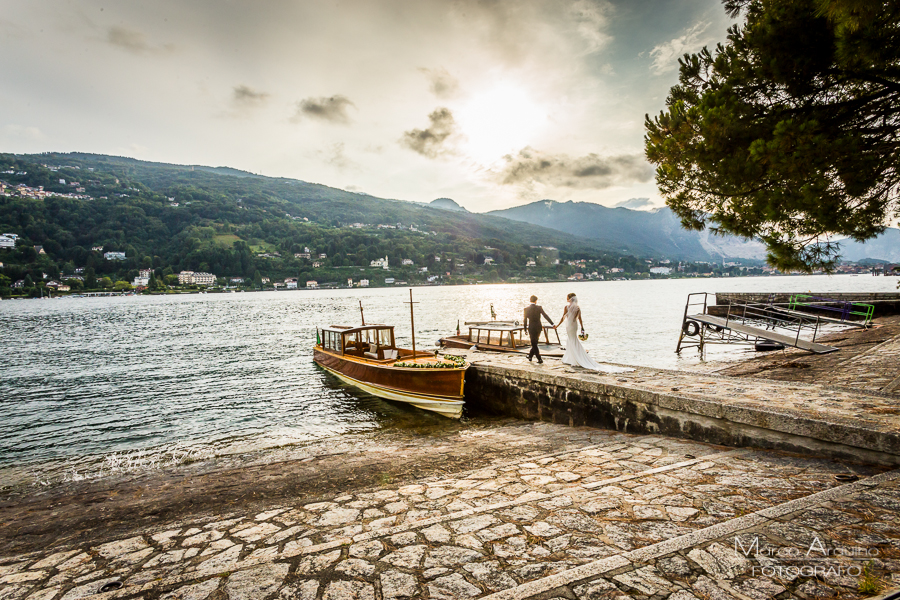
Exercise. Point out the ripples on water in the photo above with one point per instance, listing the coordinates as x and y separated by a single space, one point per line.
95 386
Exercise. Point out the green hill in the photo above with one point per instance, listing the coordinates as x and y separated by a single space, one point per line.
237 224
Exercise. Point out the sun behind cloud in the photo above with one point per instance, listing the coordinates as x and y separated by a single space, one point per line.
499 120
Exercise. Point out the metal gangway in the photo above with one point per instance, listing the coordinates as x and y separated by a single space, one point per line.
746 323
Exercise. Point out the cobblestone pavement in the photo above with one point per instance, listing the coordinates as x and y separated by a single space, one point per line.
868 360
618 515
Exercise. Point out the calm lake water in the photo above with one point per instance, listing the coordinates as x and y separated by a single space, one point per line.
95 386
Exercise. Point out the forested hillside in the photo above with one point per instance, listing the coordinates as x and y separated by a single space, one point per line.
236 224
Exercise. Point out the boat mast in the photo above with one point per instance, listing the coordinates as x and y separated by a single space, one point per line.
361 315
412 322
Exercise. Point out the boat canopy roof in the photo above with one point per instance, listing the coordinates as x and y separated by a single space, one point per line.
348 329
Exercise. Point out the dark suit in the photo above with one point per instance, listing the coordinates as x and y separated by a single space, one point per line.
532 323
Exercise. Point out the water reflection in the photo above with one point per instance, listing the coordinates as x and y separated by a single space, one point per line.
87 383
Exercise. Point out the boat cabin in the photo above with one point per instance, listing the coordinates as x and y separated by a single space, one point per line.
374 342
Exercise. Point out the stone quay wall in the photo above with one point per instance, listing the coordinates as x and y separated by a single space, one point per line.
577 398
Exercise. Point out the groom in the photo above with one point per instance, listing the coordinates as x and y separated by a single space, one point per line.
532 323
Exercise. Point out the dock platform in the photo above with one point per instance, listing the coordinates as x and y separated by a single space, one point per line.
762 334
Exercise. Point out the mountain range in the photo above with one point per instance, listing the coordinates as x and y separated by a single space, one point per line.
659 233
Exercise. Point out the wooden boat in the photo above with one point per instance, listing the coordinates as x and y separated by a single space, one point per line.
502 336
368 358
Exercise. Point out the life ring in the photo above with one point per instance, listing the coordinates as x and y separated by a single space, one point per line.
690 328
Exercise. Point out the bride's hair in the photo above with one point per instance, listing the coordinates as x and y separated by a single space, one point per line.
569 296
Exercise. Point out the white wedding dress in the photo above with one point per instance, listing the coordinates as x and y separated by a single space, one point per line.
575 354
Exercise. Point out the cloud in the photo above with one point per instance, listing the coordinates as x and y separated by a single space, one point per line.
433 141
443 84
590 19
634 203
245 97
335 156
24 132
133 41
665 56
333 109
531 166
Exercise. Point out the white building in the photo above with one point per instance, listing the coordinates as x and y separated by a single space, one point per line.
291 283
530 263
488 260
196 278
380 262
114 255
660 270
143 278
237 280
389 280
7 242
423 269
406 261
97 248
312 284
363 283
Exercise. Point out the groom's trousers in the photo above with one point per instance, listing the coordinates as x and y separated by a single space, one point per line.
535 339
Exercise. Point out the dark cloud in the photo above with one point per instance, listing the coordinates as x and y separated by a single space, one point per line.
584 172
246 97
433 141
133 41
333 109
634 203
443 84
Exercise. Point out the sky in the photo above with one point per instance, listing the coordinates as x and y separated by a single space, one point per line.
492 103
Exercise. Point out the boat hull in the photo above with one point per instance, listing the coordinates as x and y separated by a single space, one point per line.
436 390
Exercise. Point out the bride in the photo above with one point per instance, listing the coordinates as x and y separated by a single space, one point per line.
575 352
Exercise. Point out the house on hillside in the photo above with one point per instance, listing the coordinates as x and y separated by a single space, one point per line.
363 283
39 249
114 255
380 262
311 285
406 262
7 242
291 283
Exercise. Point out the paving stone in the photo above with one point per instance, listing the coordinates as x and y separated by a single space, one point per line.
760 589
500 531
473 524
265 516
407 557
646 580
814 589
337 516
122 547
542 529
436 533
51 561
258 532
491 574
88 589
199 591
301 590
222 561
395 584
451 587
404 539
450 556
371 549
313 564
432 573
355 567
599 589
707 589
675 566
576 521
348 590
203 538
683 595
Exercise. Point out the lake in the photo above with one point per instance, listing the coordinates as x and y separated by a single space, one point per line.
95 386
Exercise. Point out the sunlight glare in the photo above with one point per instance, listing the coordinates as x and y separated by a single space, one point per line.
499 121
